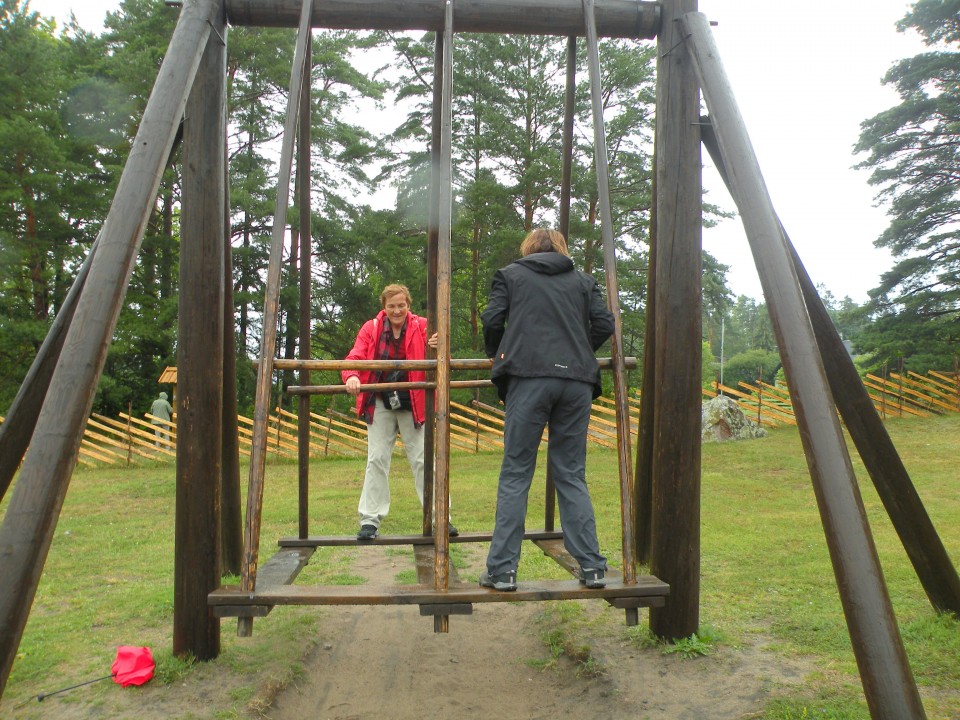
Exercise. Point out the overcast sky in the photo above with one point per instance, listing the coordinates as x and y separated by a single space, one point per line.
804 77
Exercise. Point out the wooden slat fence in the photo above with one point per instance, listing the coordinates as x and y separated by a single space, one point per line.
477 427
910 395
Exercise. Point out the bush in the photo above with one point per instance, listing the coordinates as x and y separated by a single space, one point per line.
744 367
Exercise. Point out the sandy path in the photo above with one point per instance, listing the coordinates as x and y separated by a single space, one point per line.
386 662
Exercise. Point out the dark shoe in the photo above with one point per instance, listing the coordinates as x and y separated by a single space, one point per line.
592 578
504 581
452 530
367 532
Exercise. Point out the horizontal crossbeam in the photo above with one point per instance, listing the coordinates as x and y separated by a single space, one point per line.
455 364
348 540
614 18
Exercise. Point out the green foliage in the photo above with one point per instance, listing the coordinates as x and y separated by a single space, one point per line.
170 668
45 197
697 645
709 365
914 156
748 366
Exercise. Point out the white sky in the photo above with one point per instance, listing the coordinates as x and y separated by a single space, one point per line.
804 77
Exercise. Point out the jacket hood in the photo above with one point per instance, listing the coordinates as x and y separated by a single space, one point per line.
547 263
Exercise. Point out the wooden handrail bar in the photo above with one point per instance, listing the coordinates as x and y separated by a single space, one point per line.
630 363
382 387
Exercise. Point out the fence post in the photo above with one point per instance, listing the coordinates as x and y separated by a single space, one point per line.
759 392
883 393
326 444
900 387
956 378
129 437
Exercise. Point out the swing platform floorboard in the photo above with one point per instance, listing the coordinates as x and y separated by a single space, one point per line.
275 578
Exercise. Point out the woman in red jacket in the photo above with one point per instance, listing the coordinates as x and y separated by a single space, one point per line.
394 334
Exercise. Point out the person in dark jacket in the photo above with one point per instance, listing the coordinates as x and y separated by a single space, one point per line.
543 322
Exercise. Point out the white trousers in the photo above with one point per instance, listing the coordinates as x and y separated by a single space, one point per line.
381 438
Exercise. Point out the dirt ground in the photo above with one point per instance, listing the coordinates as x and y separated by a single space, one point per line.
387 662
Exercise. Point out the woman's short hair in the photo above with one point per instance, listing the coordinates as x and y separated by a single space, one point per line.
391 290
544 240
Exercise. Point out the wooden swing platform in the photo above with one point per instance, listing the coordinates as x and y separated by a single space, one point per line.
275 581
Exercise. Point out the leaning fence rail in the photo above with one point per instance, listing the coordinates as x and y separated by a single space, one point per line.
478 427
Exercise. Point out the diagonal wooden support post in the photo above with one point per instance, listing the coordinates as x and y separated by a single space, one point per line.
31 517
888 683
891 479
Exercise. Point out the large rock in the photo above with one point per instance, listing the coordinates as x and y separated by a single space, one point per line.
723 420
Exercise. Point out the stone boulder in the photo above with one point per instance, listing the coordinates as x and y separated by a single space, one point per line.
722 420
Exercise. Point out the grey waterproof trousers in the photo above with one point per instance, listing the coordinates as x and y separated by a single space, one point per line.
564 407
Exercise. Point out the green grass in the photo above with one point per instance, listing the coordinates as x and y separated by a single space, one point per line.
765 573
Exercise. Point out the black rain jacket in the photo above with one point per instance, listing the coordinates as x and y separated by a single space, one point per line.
545 319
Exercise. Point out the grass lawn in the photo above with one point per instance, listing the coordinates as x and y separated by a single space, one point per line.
108 580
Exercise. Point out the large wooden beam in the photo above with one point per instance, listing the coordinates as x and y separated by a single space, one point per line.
675 459
196 569
31 517
888 683
615 18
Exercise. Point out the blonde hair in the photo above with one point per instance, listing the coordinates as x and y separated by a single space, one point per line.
544 240
391 290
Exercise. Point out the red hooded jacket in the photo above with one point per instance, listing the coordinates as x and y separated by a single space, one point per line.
365 348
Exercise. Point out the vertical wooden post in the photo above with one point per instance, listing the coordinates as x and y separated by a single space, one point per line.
129 434
569 110
31 516
643 474
675 549
441 507
231 520
759 393
200 358
303 199
888 683
433 235
326 442
956 382
627 515
261 408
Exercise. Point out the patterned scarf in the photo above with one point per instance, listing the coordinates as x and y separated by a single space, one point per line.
388 348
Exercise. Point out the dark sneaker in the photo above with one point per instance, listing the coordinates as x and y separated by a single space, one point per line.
452 530
592 578
504 581
367 532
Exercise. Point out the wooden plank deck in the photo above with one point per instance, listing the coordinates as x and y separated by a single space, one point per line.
533 590
275 578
